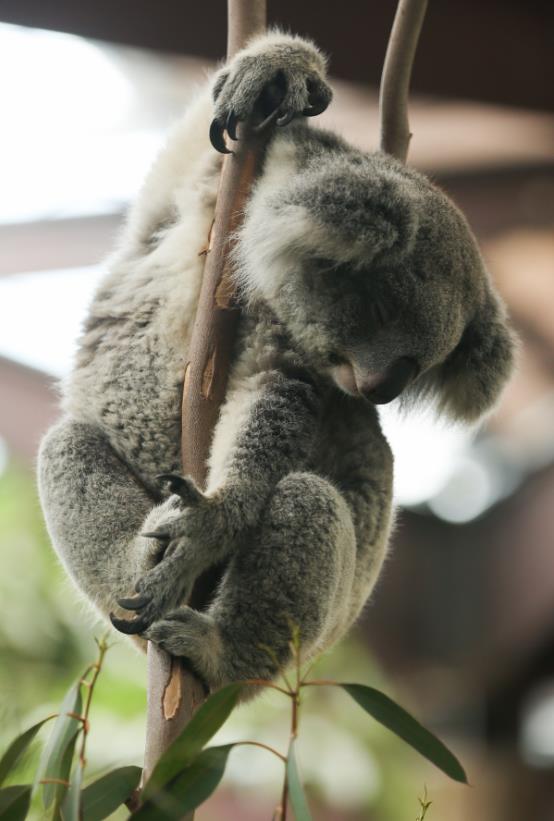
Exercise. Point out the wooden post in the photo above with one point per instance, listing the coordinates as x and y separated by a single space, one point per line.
395 79
173 692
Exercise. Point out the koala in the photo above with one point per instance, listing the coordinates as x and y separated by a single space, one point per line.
360 282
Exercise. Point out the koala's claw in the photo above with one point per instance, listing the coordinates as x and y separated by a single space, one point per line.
217 139
319 97
285 118
140 623
267 121
133 602
131 627
161 536
182 486
231 125
315 109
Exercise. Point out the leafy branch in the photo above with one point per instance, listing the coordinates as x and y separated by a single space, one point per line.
424 805
189 771
61 768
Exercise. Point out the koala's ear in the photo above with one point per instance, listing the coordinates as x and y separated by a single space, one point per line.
470 380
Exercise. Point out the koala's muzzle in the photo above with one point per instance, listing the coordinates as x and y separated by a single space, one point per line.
383 387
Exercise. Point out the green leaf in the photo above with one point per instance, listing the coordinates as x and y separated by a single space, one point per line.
395 718
64 730
296 791
60 790
200 729
70 809
105 795
187 790
16 749
14 802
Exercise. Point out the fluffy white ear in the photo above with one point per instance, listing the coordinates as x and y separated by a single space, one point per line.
469 382
272 242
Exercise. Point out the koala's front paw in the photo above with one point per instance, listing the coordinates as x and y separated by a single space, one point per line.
191 534
269 84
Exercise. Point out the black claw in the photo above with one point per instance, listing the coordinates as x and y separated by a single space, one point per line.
177 484
315 109
161 537
169 477
285 118
183 487
217 139
268 120
134 602
231 125
129 626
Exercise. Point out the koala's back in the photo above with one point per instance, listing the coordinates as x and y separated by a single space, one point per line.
129 368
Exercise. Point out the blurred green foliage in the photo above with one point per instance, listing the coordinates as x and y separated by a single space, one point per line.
352 767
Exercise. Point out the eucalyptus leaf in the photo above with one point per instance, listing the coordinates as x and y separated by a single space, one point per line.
14 802
60 789
189 789
296 791
384 710
200 729
64 729
70 809
104 796
16 749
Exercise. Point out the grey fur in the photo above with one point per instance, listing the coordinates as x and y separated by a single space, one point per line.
347 264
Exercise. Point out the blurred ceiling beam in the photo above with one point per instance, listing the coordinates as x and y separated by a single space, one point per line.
57 243
28 406
498 51
495 200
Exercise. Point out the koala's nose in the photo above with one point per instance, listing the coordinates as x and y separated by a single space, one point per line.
387 385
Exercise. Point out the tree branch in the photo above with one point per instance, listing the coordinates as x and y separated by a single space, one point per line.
173 692
395 79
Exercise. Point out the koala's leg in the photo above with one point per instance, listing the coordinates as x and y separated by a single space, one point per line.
94 509
298 569
202 530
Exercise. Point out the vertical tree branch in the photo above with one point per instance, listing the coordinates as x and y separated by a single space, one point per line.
173 692
395 79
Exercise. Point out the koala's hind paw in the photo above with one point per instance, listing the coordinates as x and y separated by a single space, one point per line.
195 636
267 88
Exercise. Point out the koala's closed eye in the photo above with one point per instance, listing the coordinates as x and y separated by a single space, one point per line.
336 359
324 264
378 312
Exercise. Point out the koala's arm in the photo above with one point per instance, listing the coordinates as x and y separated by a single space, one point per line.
278 75
199 530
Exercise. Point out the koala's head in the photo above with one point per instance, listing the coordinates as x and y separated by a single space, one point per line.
378 279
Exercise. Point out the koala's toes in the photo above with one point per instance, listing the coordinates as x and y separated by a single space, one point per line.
186 633
265 99
298 96
157 592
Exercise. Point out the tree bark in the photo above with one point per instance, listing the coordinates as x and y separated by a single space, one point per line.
395 79
173 692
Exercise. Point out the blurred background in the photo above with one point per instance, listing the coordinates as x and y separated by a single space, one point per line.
461 627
